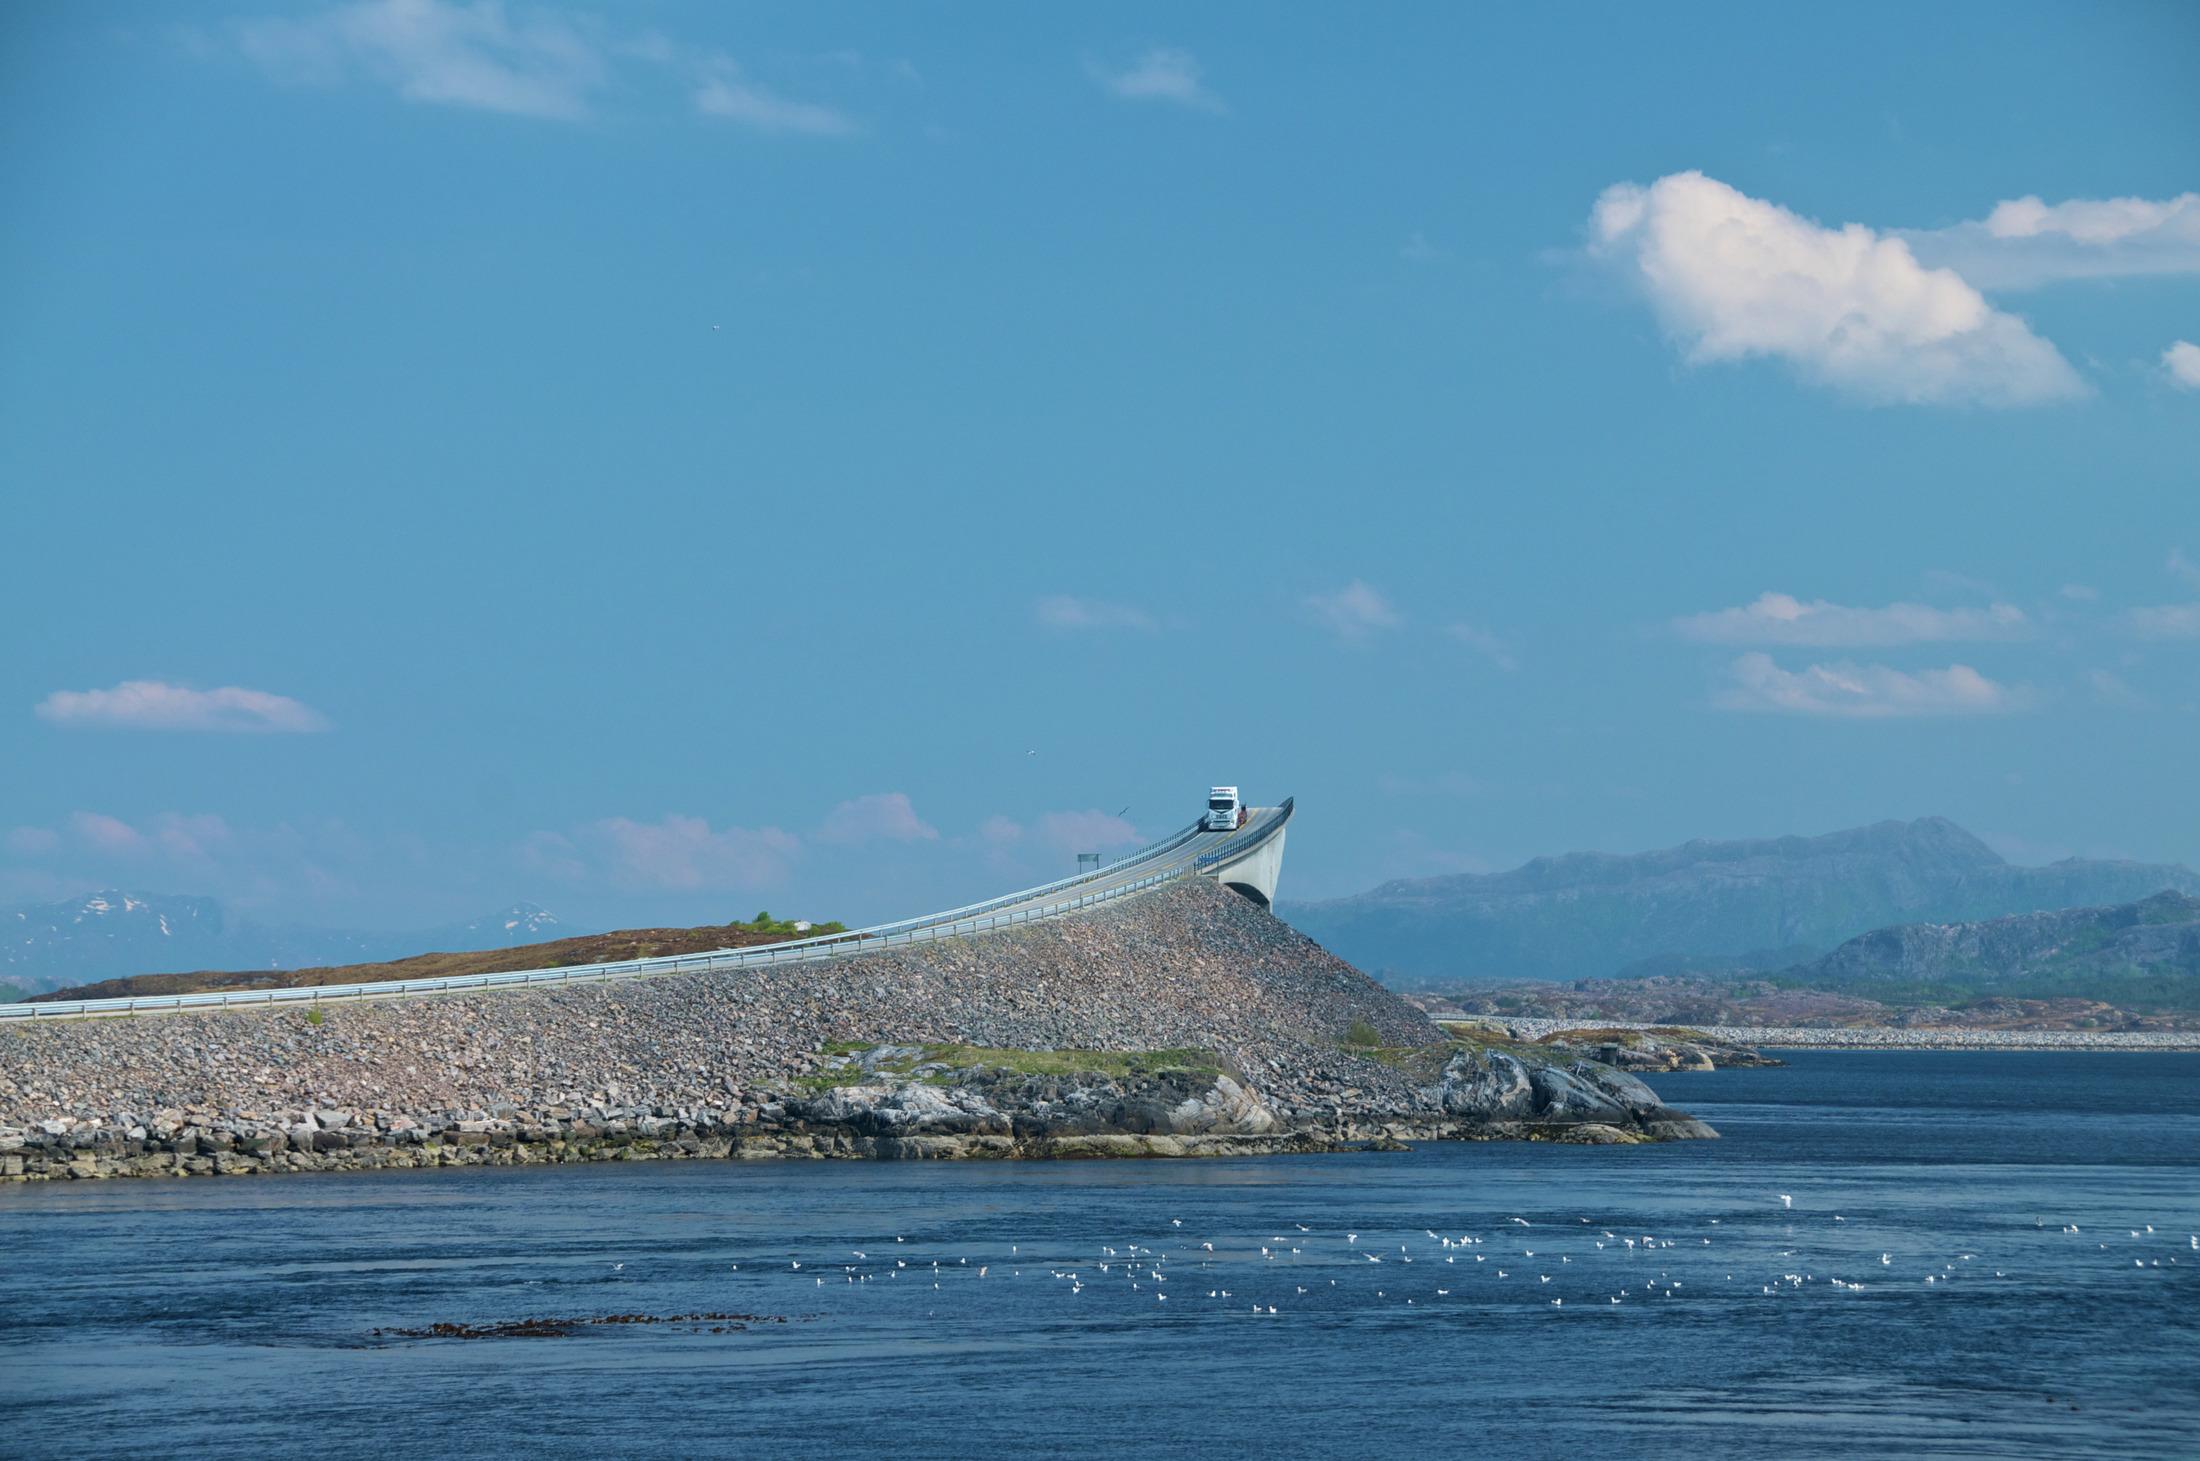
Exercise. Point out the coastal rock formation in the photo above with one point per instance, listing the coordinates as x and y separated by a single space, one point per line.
1184 1022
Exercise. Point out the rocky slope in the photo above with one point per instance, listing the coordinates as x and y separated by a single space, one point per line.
1704 905
1183 1022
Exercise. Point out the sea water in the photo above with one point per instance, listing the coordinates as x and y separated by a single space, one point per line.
1893 1253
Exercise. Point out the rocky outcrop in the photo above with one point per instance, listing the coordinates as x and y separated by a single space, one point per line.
1661 1050
1187 1022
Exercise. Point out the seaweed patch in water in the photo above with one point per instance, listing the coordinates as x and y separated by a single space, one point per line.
566 1328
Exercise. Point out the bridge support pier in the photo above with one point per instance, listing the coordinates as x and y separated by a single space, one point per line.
1255 875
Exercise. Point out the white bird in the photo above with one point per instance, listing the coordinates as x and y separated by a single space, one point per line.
1786 1201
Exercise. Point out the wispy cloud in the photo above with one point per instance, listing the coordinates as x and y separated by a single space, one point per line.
520 61
2025 243
2110 689
1776 618
1484 643
158 705
2181 362
2166 621
761 109
1733 277
1163 74
1063 611
1864 692
676 853
431 51
885 816
1086 831
1355 612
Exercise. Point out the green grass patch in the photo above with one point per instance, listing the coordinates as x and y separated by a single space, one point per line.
764 923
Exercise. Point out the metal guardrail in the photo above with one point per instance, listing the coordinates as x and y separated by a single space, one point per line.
975 918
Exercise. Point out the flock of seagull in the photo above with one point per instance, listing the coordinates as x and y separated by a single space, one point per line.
1590 1265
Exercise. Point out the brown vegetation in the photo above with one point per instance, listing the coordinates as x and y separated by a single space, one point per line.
595 948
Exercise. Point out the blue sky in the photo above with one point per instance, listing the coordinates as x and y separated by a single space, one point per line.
663 460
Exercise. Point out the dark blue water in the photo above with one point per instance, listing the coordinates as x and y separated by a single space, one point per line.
227 1317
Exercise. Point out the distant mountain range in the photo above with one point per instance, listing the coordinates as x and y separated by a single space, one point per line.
2139 954
1703 906
112 934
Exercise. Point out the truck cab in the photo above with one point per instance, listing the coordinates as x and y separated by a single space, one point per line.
1224 812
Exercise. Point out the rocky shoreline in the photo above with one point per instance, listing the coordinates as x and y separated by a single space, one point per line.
1184 1023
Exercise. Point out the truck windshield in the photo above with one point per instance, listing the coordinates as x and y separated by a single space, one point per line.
1219 804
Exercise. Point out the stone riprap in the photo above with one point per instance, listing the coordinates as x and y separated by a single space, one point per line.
1276 1045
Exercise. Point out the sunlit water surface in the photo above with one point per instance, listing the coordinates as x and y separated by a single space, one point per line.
237 1317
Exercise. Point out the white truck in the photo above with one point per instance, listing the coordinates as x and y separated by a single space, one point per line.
1224 812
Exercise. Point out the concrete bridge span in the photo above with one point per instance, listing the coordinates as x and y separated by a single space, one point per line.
1247 859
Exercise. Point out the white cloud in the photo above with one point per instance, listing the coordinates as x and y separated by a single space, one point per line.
432 51
1161 74
761 109
1353 612
1418 250
2167 621
2079 592
880 817
1061 611
2182 361
1484 643
1088 831
1776 618
1864 691
1733 277
676 853
2183 567
2024 242
157 705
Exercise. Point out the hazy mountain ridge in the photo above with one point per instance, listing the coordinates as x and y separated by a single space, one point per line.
1704 904
2149 947
113 934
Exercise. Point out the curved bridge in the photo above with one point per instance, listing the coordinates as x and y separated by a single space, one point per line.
1248 860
